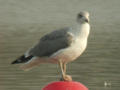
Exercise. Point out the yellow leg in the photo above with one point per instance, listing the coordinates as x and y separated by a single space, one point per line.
61 67
64 68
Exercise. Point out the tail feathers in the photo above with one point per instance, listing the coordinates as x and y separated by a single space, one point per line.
32 63
22 59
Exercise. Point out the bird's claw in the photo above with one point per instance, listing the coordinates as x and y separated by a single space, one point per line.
66 78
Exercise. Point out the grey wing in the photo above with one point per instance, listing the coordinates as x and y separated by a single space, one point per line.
52 42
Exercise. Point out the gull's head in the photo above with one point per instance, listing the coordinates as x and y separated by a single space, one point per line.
83 17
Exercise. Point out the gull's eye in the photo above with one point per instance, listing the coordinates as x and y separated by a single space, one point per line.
80 16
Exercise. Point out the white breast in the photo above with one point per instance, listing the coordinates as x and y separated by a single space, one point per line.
72 52
76 48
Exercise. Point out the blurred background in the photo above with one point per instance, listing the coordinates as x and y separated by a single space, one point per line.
23 22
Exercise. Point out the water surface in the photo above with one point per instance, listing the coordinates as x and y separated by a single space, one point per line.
22 23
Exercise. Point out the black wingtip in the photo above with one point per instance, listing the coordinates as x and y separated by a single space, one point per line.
19 60
22 59
15 62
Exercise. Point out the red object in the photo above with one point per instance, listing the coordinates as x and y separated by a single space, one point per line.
64 85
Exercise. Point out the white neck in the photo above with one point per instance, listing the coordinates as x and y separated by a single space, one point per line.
82 30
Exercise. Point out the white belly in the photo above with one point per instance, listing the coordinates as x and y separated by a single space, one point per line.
72 52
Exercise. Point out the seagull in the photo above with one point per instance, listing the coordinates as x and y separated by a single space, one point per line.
59 47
